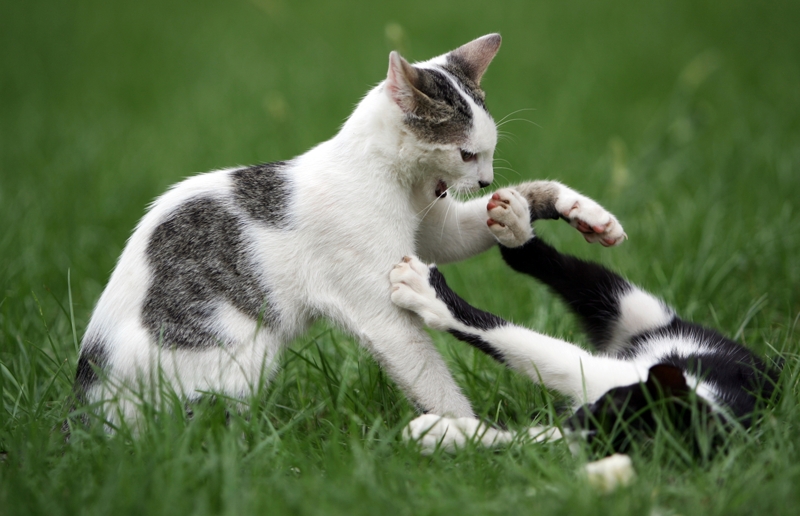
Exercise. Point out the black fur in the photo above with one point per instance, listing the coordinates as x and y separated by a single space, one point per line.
467 314
593 292
477 342
460 309
93 357
198 258
625 413
590 290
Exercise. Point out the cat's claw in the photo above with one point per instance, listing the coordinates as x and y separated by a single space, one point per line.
592 220
509 217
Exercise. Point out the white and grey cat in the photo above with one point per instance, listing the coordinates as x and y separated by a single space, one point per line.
647 352
229 266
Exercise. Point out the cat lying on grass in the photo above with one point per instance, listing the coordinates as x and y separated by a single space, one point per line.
649 358
228 267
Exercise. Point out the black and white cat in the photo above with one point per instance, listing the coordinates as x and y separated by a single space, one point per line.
229 266
647 352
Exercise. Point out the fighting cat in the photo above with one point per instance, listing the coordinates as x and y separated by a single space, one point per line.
647 352
229 266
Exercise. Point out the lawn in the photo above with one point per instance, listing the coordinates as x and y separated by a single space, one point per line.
682 117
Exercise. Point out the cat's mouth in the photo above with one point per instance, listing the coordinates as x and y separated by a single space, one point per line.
441 189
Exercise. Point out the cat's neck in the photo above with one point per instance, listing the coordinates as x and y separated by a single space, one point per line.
375 135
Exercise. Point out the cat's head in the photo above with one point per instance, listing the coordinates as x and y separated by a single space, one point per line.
442 112
627 413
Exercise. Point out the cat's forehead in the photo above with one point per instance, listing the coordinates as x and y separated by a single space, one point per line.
442 80
454 67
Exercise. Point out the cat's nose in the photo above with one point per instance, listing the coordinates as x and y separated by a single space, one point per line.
483 184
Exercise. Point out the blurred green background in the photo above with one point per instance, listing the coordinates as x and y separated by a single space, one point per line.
681 117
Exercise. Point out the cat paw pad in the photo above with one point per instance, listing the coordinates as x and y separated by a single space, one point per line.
509 217
592 220
411 290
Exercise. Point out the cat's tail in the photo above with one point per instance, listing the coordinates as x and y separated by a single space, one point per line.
611 309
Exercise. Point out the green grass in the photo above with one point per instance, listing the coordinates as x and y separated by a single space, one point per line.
682 117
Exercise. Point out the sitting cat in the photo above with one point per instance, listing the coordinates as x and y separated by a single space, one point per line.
647 352
229 266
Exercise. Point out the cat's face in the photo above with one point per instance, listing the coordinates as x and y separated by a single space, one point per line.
626 413
443 110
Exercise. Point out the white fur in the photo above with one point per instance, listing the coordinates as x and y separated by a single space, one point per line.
639 311
433 432
358 203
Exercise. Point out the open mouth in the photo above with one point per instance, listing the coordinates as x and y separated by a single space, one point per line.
441 189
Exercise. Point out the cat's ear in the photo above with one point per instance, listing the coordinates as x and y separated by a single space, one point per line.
402 83
474 57
666 380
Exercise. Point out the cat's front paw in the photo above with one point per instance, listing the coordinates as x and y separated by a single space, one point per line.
411 290
509 217
433 432
592 220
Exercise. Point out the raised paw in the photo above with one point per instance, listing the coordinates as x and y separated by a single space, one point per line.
509 217
592 220
411 290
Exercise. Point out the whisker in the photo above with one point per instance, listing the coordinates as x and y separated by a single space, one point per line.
507 168
429 207
514 113
518 120
444 219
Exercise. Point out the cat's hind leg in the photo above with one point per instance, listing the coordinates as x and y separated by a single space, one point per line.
552 200
611 309
554 363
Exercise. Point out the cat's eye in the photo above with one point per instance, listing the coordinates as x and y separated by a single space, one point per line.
468 156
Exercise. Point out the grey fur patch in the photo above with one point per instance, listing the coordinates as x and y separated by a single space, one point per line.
542 197
262 191
198 258
444 119
94 356
459 68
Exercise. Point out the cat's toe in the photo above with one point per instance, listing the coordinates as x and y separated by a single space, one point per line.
411 290
410 271
509 218
432 432
592 220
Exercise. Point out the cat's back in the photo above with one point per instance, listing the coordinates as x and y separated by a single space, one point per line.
193 244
